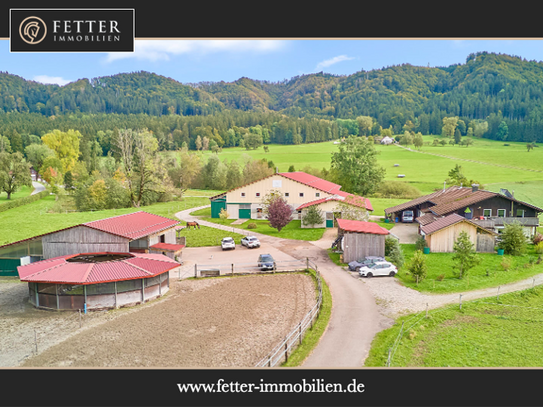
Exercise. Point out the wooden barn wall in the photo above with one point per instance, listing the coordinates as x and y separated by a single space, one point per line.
359 245
81 239
443 240
170 237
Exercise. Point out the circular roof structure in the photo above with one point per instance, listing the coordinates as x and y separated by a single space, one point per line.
94 268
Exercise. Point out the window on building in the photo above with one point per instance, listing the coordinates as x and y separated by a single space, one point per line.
258 194
487 212
301 194
287 194
520 213
162 238
317 194
243 194
501 213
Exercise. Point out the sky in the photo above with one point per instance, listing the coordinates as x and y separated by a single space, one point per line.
192 61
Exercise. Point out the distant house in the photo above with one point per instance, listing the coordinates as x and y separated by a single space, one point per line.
441 234
387 140
138 232
299 189
361 239
490 210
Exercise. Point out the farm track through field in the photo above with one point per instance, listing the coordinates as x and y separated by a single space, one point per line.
469 160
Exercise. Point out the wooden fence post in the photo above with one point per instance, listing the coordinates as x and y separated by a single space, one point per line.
195 271
460 301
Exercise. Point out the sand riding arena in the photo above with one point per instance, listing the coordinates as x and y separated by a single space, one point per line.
208 322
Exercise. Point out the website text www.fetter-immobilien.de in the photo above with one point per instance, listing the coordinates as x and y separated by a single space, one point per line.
302 386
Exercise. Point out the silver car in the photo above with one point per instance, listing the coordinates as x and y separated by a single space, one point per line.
228 243
380 268
250 242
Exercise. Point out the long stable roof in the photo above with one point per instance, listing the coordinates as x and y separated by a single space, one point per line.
83 268
452 199
131 226
359 226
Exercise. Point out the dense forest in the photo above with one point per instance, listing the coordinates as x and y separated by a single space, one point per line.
499 89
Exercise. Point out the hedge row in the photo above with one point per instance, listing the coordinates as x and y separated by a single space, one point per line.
23 201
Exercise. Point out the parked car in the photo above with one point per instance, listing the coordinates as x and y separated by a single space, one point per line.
380 268
356 264
408 216
228 243
266 262
250 242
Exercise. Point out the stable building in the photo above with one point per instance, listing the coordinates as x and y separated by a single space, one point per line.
138 232
297 188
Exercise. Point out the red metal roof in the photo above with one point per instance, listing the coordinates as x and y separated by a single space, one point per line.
361 227
60 270
312 181
167 246
133 225
345 198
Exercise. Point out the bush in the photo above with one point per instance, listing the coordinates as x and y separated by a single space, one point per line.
539 248
514 240
23 201
397 189
251 225
417 266
537 238
421 243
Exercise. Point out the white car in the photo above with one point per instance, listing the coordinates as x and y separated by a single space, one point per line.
250 242
228 243
380 268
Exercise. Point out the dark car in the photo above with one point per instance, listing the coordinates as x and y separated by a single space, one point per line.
368 261
266 262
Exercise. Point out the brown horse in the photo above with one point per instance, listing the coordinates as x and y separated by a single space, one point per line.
193 224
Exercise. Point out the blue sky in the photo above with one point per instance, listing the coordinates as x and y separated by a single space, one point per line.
264 59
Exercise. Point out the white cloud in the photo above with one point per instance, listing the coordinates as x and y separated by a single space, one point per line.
332 61
51 80
161 50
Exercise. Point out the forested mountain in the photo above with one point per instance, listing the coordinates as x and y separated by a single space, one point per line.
492 87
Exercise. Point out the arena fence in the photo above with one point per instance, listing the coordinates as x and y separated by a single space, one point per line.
281 351
225 269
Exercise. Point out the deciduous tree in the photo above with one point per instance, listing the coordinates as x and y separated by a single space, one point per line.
14 173
355 166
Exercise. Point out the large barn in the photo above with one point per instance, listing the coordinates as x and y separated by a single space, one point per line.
138 232
97 280
299 189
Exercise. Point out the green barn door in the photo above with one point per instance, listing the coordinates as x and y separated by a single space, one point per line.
216 206
8 267
329 219
244 211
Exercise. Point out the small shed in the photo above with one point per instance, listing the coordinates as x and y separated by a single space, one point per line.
441 234
361 239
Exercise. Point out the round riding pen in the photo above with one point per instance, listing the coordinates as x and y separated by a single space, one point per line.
94 281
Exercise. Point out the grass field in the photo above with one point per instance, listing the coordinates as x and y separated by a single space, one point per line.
484 333
22 192
292 231
34 219
441 264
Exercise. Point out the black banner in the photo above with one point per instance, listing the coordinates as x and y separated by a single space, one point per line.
271 387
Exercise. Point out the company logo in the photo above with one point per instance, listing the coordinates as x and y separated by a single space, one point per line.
72 30
32 30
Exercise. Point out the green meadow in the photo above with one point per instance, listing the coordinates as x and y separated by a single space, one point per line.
491 332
